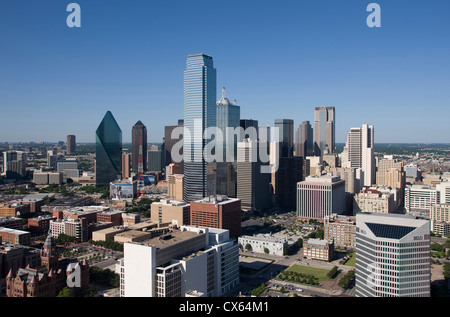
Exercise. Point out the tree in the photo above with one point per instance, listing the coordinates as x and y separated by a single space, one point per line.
66 292
266 251
248 247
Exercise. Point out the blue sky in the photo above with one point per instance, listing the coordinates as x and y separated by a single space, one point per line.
278 59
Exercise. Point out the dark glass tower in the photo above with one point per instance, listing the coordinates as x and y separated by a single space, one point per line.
108 138
286 134
138 133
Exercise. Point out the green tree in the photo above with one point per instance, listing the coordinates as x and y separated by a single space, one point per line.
66 292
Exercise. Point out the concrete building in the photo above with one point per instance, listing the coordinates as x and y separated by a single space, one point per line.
69 167
318 249
175 186
14 164
264 244
419 199
219 212
48 178
198 259
77 228
71 144
392 255
375 200
324 130
318 197
341 230
304 140
175 211
383 165
126 165
107 234
358 152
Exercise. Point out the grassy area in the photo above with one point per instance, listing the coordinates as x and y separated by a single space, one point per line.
320 274
351 261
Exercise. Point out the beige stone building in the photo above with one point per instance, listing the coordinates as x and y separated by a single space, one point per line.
174 211
340 229
318 249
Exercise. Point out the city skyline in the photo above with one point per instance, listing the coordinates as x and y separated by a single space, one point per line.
291 57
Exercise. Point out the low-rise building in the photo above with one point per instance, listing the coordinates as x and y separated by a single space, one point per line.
262 243
318 249
15 236
340 229
175 211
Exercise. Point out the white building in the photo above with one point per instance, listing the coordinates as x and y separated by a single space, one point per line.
358 152
261 243
197 259
392 255
419 199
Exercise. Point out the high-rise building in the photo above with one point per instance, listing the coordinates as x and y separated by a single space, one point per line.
193 259
71 144
253 186
324 130
138 139
14 164
126 165
199 114
304 144
318 197
246 124
290 172
169 143
217 212
228 122
359 152
108 160
286 136
155 155
392 255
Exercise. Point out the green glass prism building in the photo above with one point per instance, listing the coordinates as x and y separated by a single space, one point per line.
108 161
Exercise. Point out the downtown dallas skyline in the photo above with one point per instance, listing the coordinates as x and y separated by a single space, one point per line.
276 60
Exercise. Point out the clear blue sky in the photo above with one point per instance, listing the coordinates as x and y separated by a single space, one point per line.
279 59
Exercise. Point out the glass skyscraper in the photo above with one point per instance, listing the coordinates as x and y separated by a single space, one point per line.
108 161
199 114
324 130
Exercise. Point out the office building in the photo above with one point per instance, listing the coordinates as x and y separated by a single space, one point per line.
340 229
290 172
324 130
69 167
286 136
249 126
204 260
392 255
77 228
253 186
419 199
304 140
138 139
14 164
375 200
383 166
108 160
359 152
170 141
199 114
176 212
15 236
71 145
413 173
126 165
318 197
155 159
318 249
217 212
175 186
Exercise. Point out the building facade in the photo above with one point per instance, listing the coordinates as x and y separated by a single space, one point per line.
392 255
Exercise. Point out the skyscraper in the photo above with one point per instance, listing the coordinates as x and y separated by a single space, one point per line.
304 140
14 164
324 127
71 144
228 120
392 255
169 142
138 135
359 152
108 160
199 114
286 136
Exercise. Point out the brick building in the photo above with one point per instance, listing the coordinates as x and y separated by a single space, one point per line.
48 279
218 212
